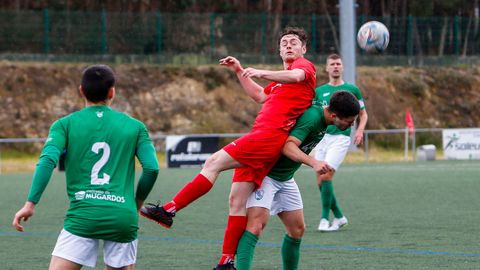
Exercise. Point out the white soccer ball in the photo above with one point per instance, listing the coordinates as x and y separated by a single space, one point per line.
373 36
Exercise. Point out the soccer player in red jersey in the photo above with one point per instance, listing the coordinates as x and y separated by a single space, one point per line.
252 156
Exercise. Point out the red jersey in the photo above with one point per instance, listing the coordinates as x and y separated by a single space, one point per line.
287 101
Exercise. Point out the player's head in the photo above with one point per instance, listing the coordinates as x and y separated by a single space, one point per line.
98 82
292 43
344 108
334 66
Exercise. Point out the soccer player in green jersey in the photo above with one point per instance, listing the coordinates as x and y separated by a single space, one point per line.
335 144
279 194
101 145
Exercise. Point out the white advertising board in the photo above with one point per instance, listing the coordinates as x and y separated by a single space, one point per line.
461 143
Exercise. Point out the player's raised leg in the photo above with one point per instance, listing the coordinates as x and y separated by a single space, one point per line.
196 188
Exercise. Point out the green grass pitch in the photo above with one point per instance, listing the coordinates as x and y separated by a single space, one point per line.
402 216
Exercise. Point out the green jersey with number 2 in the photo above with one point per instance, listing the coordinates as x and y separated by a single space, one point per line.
101 145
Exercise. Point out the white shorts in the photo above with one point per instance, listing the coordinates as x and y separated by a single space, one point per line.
332 149
84 251
276 196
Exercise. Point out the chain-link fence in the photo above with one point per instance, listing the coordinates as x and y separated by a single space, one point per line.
199 38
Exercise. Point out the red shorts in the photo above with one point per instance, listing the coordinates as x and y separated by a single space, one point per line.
257 151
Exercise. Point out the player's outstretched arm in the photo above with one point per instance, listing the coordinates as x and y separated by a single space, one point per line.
253 89
23 214
281 76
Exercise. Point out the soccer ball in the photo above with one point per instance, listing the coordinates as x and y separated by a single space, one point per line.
373 36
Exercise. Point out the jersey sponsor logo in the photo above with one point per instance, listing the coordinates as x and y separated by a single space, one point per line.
99 114
98 195
307 148
80 195
259 194
326 94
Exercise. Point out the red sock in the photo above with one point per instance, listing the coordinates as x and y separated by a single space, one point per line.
189 193
235 227
170 207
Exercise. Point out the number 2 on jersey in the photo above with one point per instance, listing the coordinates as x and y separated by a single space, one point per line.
95 180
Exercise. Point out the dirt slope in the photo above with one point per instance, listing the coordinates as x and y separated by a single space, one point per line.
176 100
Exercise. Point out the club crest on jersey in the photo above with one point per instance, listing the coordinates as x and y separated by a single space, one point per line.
259 194
99 114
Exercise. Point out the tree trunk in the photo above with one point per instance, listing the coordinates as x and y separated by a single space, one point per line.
476 9
277 23
418 42
443 35
366 8
404 20
467 32
333 28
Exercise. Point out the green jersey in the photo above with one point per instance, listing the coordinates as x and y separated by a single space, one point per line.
309 129
324 93
101 145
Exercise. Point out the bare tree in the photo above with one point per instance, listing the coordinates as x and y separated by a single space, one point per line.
443 35
276 10
467 33
333 28
418 42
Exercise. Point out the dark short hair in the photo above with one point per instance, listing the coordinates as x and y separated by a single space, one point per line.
96 81
344 104
299 32
333 56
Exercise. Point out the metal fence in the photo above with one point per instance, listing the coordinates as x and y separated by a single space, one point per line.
195 38
419 137
392 139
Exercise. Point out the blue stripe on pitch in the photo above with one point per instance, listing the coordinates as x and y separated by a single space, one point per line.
271 245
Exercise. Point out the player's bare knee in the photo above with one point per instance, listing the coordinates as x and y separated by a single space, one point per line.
297 231
326 176
211 162
130 267
256 228
237 205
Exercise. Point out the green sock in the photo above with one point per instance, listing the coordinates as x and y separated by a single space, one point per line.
290 253
337 212
327 192
245 250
